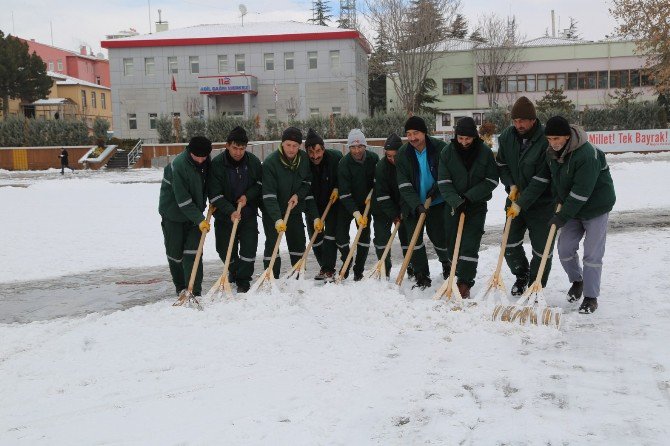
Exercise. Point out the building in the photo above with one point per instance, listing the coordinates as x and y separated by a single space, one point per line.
69 98
587 72
82 65
276 70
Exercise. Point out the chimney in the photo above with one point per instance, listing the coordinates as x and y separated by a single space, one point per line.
160 24
553 24
82 50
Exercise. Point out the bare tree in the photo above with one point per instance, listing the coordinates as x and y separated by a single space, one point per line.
412 48
499 56
292 106
193 106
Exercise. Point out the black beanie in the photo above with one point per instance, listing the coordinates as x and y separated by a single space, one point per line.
292 134
313 139
200 146
557 126
523 109
466 127
238 135
393 142
416 123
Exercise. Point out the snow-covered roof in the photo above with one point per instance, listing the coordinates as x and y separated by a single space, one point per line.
64 79
553 41
457 45
52 101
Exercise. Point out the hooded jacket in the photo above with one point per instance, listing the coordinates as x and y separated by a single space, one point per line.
280 182
183 194
407 171
223 185
581 178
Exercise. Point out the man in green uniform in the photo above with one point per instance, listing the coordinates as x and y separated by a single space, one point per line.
355 178
416 163
286 179
523 169
323 164
182 201
467 175
386 203
234 179
582 182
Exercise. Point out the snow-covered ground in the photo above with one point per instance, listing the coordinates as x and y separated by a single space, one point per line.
360 363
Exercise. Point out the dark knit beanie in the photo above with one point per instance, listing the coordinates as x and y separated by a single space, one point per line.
313 139
523 109
200 146
393 142
238 135
416 123
557 126
466 127
292 134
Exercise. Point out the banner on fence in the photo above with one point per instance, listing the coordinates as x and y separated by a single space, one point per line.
631 140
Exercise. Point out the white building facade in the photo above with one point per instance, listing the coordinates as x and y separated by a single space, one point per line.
279 70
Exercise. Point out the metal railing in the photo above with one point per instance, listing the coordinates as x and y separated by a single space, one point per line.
135 153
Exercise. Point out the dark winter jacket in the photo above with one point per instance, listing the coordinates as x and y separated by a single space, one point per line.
64 158
183 194
456 182
528 171
280 183
407 172
386 198
228 182
324 180
355 180
581 178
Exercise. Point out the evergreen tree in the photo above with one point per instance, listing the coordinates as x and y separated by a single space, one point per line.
555 100
458 28
624 97
424 98
427 17
476 36
22 75
377 74
320 13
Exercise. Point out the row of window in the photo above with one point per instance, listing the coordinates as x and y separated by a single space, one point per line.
60 65
271 113
223 63
94 100
586 80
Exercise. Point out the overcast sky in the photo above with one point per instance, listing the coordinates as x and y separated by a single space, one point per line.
77 22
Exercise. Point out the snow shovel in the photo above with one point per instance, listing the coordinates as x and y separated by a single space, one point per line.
222 284
354 245
412 243
496 284
532 307
267 277
299 268
379 271
449 290
186 296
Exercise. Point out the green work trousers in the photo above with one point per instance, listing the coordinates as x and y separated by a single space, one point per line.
243 255
383 227
325 248
342 240
181 245
295 239
434 227
473 229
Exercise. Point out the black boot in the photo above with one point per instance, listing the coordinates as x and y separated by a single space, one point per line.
422 281
243 287
589 305
410 271
358 276
575 291
446 269
519 286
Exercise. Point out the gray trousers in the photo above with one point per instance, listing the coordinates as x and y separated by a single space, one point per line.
594 232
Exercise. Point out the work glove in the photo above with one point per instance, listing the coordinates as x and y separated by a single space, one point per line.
461 207
513 193
420 209
513 210
280 226
204 226
318 225
334 195
361 220
558 221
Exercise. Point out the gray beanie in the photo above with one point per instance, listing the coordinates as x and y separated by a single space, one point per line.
356 137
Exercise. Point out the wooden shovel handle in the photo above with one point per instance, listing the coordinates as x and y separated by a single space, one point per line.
352 250
231 243
198 254
412 243
547 248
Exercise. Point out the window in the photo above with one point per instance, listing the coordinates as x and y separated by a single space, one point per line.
132 121
634 78
288 61
152 120
269 61
94 100
511 85
603 80
457 86
128 67
172 65
83 99
97 80
149 66
477 117
486 83
335 59
239 62
194 64
222 62
337 111
103 101
60 65
314 112
619 79
446 119
587 80
312 60
572 81
272 113
646 80
51 66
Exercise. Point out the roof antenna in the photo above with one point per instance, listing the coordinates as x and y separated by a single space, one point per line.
243 12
